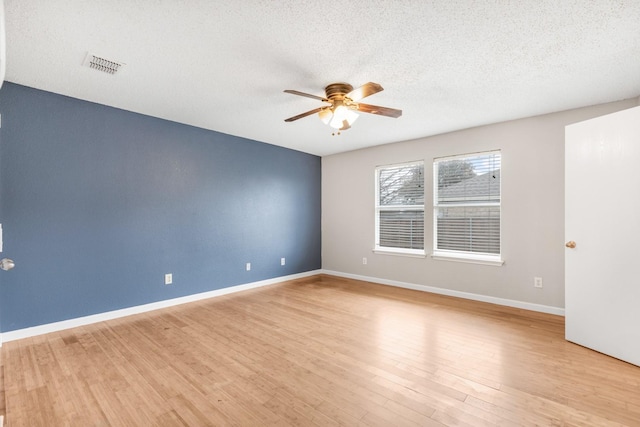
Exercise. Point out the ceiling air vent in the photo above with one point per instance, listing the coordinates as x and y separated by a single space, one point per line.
102 64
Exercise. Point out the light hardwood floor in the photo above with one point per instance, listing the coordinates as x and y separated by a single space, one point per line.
319 351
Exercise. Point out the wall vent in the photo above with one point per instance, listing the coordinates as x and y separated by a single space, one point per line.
101 64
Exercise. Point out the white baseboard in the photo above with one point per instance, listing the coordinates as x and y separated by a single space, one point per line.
443 291
115 314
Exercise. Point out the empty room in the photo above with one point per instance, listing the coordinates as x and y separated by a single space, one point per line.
363 213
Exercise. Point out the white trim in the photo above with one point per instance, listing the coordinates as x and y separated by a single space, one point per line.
115 314
468 258
459 294
400 165
467 155
416 253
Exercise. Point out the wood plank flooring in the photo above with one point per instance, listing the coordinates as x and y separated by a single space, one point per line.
322 351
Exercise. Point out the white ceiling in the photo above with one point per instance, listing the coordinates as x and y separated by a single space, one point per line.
222 65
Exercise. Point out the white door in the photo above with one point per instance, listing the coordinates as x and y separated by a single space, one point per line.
602 217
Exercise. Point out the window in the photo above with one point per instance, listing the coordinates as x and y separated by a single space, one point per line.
467 207
400 208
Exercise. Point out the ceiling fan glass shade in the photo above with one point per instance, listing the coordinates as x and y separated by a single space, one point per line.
325 115
340 114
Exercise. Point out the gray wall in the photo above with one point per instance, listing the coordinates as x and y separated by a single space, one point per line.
97 204
532 209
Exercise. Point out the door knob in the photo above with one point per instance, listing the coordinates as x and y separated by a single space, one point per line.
570 244
7 264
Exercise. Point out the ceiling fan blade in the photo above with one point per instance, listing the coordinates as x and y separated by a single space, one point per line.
381 111
308 113
308 95
365 90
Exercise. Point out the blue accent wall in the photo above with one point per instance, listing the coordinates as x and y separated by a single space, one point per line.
98 203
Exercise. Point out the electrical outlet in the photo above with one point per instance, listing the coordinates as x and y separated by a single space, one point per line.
537 282
364 261
282 261
168 279
248 266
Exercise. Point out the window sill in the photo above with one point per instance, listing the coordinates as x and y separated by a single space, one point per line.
468 258
414 253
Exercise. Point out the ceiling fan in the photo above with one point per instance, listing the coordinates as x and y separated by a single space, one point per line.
344 102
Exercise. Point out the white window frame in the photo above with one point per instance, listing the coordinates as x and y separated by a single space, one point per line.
393 250
464 256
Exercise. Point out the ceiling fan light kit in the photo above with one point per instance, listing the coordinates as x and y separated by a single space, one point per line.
343 100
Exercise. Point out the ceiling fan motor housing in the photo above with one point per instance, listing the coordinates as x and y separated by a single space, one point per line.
337 91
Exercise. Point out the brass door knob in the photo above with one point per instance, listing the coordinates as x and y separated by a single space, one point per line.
570 244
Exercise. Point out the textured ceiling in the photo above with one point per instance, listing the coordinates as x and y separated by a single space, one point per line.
223 65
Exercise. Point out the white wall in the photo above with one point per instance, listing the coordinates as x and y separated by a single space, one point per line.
532 209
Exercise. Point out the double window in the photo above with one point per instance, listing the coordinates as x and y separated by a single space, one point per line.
400 208
466 207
